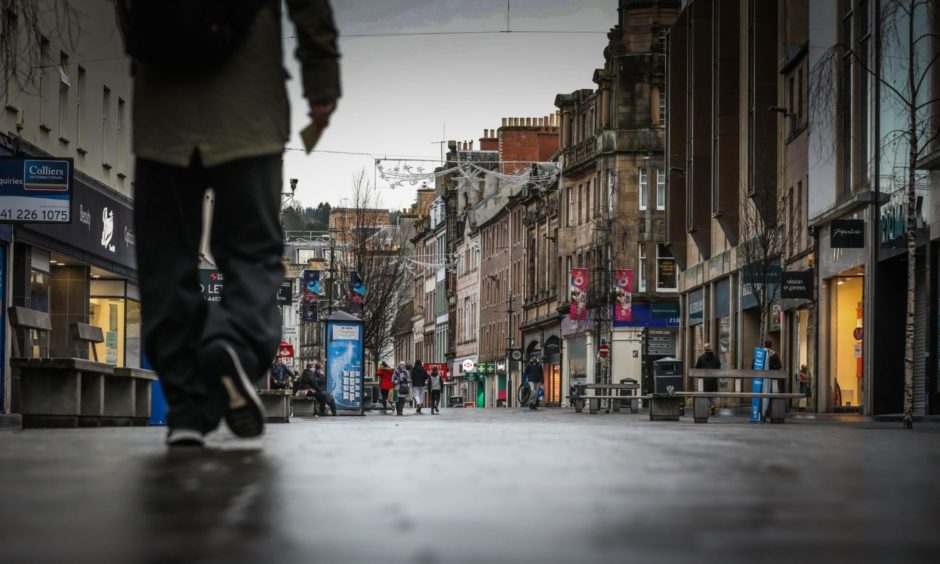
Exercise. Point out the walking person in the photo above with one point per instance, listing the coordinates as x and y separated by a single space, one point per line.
401 380
534 375
419 380
709 360
436 387
385 383
216 116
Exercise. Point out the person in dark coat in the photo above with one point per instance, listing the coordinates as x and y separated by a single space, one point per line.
419 380
709 360
534 375
401 379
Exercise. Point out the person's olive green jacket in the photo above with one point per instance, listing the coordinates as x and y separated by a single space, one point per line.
239 108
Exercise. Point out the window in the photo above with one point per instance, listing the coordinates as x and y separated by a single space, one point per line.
644 190
119 145
662 107
105 124
570 195
580 204
568 267
799 97
666 276
641 269
80 109
64 85
43 83
660 189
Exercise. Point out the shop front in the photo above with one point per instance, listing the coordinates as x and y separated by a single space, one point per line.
545 344
463 387
841 385
651 334
85 272
799 345
577 354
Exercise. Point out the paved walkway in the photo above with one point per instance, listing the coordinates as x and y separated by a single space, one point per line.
478 485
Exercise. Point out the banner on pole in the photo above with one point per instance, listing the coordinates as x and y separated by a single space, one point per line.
579 289
623 289
311 295
357 295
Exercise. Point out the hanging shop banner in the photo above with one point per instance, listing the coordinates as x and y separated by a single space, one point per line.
344 364
311 295
357 295
696 301
623 310
579 289
847 234
285 294
36 190
797 285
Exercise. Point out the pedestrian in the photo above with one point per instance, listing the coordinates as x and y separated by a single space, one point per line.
534 375
436 386
222 122
385 383
709 360
402 382
321 392
773 360
280 376
419 380
804 380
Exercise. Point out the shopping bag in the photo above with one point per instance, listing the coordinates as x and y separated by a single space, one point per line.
393 395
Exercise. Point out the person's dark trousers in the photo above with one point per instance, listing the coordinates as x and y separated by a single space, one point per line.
400 405
435 400
246 243
384 398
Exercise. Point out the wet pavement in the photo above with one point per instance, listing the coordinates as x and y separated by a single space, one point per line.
478 485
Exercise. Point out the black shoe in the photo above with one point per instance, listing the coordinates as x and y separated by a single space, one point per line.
244 413
185 438
532 407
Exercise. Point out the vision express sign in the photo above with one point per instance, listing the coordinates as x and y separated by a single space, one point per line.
797 285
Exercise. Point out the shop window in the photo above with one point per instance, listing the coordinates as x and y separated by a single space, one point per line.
120 321
845 351
39 290
108 314
577 359
666 277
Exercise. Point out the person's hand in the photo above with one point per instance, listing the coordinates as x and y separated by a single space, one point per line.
320 113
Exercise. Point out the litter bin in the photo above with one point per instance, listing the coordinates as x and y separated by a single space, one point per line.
633 403
667 372
455 401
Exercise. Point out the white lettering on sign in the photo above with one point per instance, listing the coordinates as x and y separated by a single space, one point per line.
107 229
346 332
129 238
84 216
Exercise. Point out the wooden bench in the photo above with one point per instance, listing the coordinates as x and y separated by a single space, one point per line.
276 405
71 392
580 397
701 406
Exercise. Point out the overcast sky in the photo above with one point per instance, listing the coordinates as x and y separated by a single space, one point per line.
400 93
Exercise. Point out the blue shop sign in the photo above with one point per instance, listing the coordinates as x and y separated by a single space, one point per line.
643 316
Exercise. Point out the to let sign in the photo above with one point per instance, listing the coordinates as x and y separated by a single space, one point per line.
847 234
797 285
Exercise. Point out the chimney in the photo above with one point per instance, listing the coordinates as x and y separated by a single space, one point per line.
504 121
451 145
471 144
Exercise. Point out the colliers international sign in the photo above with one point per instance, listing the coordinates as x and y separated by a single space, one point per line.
35 190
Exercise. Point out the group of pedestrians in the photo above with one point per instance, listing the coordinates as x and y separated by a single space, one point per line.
396 386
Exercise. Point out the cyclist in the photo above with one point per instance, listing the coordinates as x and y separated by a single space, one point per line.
534 376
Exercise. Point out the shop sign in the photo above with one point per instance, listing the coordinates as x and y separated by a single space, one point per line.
696 306
858 333
284 293
664 311
35 190
468 365
660 342
285 350
847 234
666 277
210 284
797 285
761 274
104 227
893 225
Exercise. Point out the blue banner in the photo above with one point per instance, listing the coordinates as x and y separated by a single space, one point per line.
344 364
310 295
357 295
645 315
757 384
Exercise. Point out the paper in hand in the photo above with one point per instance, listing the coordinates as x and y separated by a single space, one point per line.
310 135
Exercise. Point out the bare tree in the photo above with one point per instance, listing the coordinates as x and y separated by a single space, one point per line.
907 34
25 24
374 250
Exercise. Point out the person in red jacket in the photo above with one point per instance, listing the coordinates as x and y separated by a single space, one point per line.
385 382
